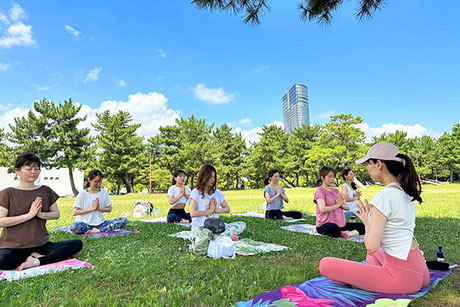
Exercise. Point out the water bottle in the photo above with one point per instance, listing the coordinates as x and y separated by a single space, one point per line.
157 212
440 253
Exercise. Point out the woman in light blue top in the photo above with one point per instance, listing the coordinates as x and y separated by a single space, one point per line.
274 196
350 192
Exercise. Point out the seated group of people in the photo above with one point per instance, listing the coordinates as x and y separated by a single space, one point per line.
394 261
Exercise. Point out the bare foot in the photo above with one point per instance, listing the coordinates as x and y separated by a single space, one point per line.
184 221
30 262
287 218
93 230
345 234
36 255
233 237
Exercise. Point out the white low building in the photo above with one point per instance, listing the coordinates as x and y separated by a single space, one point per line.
56 179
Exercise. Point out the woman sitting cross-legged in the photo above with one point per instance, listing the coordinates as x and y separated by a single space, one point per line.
24 211
330 218
395 264
275 196
90 206
207 201
178 194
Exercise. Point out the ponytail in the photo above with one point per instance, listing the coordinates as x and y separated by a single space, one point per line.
408 177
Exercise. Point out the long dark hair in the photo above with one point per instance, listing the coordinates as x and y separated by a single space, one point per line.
323 173
270 175
91 175
203 177
27 158
175 174
345 172
408 177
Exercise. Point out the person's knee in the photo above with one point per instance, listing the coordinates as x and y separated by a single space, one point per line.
77 245
78 228
123 221
325 266
172 218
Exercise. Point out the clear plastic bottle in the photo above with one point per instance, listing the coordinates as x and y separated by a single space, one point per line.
440 254
156 212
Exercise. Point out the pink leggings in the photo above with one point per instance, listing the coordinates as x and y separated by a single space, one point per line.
382 273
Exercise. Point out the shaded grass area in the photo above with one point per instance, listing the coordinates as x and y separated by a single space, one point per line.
150 269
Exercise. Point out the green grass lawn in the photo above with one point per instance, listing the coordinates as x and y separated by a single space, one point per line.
150 269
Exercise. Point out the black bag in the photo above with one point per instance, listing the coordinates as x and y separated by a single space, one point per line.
215 225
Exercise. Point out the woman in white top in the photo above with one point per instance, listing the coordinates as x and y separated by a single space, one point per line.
207 201
395 264
90 206
178 194
350 192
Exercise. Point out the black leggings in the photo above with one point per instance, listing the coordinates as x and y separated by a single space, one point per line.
333 230
176 215
278 214
11 258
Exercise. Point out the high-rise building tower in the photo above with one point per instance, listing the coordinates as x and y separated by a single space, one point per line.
295 107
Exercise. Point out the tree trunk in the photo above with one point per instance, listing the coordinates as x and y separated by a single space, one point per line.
72 182
191 181
297 180
451 180
129 187
228 181
118 189
237 182
286 183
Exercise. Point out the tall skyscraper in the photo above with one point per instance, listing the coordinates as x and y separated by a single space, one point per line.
295 107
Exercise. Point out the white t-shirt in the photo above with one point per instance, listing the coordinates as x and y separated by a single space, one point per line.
350 194
175 191
85 200
399 210
203 204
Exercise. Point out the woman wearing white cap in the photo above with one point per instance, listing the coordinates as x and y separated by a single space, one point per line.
395 264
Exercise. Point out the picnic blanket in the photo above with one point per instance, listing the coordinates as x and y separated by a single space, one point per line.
325 292
45 269
311 229
262 216
244 247
163 220
119 232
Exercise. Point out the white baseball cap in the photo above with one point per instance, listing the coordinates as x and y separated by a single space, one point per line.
381 151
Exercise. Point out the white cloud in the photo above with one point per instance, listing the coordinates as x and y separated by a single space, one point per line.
17 33
150 110
245 122
72 31
213 95
416 130
261 68
253 135
93 75
17 13
9 115
4 66
121 83
161 53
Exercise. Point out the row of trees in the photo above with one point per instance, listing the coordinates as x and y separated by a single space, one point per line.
128 160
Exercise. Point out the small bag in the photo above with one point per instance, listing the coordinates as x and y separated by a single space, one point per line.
201 241
221 247
142 208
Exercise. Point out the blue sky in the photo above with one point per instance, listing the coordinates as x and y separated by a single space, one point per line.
165 59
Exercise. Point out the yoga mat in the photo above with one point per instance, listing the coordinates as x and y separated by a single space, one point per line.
262 216
119 232
324 292
244 247
45 269
311 229
163 220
